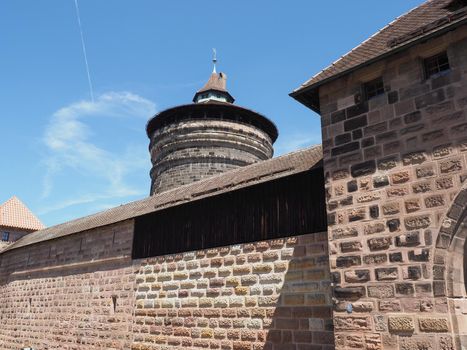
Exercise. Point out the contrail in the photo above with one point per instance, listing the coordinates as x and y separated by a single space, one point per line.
84 51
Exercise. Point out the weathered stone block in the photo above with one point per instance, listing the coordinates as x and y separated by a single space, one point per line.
393 225
379 243
355 123
357 276
425 171
356 214
412 205
397 192
404 288
357 109
395 257
362 169
352 323
387 163
414 272
370 229
400 324
380 181
450 166
408 239
386 274
352 246
421 187
432 324
422 255
444 183
434 201
375 259
417 343
389 305
338 116
381 291
346 148
352 186
417 222
349 293
347 261
413 158
391 208
413 117
344 232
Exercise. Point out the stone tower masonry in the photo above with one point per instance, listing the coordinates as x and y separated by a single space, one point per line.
191 142
394 134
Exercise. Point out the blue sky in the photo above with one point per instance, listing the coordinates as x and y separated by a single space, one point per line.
66 156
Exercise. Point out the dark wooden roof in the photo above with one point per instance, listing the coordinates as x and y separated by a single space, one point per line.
433 16
289 164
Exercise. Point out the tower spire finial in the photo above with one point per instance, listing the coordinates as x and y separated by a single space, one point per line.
214 59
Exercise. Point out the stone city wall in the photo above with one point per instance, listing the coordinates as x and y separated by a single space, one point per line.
393 167
83 291
267 295
74 292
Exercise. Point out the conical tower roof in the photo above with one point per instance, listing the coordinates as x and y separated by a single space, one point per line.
214 89
14 214
216 82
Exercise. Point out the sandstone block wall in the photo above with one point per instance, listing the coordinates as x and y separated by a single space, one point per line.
75 292
393 167
191 150
83 291
267 295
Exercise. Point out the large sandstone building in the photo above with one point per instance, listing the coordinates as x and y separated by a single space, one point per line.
355 244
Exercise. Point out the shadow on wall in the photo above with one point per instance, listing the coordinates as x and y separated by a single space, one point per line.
302 317
449 268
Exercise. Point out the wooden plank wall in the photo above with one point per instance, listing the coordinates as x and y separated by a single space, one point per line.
289 206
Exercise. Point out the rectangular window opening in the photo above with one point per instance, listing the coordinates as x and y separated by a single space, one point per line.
436 64
373 88
6 236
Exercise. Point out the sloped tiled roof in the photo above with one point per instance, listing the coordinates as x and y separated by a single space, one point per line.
217 81
14 214
428 18
260 172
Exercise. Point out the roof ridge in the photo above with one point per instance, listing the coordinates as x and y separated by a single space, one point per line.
363 42
300 160
243 168
433 16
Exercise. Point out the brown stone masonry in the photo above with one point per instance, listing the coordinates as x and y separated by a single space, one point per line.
70 293
83 291
394 165
266 295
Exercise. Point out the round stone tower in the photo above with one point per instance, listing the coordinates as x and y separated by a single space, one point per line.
210 136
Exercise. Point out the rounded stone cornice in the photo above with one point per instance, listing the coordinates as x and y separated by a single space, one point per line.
212 110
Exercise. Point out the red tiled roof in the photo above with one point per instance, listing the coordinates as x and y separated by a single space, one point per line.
250 175
428 18
14 214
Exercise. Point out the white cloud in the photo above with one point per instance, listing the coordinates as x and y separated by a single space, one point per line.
293 142
80 144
